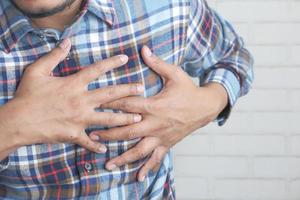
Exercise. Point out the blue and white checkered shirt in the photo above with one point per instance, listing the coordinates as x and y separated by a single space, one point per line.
186 33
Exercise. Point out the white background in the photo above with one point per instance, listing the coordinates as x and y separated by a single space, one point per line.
256 155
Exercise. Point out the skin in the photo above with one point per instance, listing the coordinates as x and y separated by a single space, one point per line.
179 109
52 110
57 20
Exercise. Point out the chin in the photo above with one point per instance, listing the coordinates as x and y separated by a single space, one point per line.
34 6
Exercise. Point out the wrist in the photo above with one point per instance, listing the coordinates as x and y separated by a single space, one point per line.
218 97
10 127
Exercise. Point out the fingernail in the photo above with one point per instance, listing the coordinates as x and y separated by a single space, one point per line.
111 167
124 58
148 52
102 149
137 118
65 43
140 88
95 137
142 179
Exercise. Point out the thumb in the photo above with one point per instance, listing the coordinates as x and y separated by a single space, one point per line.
48 62
158 65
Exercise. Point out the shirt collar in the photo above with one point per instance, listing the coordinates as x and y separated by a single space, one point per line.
103 9
14 25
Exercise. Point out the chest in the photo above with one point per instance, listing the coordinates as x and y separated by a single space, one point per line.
163 31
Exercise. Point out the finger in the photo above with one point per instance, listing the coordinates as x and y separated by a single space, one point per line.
113 119
85 142
159 66
140 151
112 93
48 62
95 70
131 132
130 104
154 162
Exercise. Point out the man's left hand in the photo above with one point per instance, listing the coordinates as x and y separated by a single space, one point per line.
178 110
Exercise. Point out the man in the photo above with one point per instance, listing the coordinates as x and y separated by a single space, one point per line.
59 138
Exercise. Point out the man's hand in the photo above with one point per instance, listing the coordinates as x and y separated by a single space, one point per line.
48 109
179 109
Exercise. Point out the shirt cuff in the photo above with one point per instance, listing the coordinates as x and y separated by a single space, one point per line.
4 164
232 85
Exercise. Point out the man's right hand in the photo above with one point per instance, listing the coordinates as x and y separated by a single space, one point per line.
48 109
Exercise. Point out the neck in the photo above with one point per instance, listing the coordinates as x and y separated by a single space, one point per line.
59 20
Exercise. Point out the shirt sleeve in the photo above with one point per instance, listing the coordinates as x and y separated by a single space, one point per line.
4 164
215 53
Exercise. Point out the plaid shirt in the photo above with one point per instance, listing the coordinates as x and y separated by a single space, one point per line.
186 33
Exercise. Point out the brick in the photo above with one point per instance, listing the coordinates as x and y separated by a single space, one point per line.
294 189
250 189
280 78
255 155
294 8
196 166
281 167
294 55
194 145
274 33
237 124
295 100
191 188
266 100
294 145
249 145
257 123
272 55
283 123
244 11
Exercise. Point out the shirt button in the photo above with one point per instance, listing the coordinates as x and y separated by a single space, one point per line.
88 166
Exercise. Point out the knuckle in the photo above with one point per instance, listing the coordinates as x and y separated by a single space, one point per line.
177 73
122 159
156 61
94 147
99 67
129 119
133 88
130 134
80 77
56 53
29 70
124 105
87 143
140 153
75 103
110 118
111 92
74 136
149 106
169 123
156 159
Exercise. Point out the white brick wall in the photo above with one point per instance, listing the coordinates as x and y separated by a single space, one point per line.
256 155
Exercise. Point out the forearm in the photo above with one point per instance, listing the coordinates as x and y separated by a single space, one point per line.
220 95
10 137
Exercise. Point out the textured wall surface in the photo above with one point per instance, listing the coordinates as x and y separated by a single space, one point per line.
256 155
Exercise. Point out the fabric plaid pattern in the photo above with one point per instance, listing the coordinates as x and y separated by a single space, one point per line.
186 33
